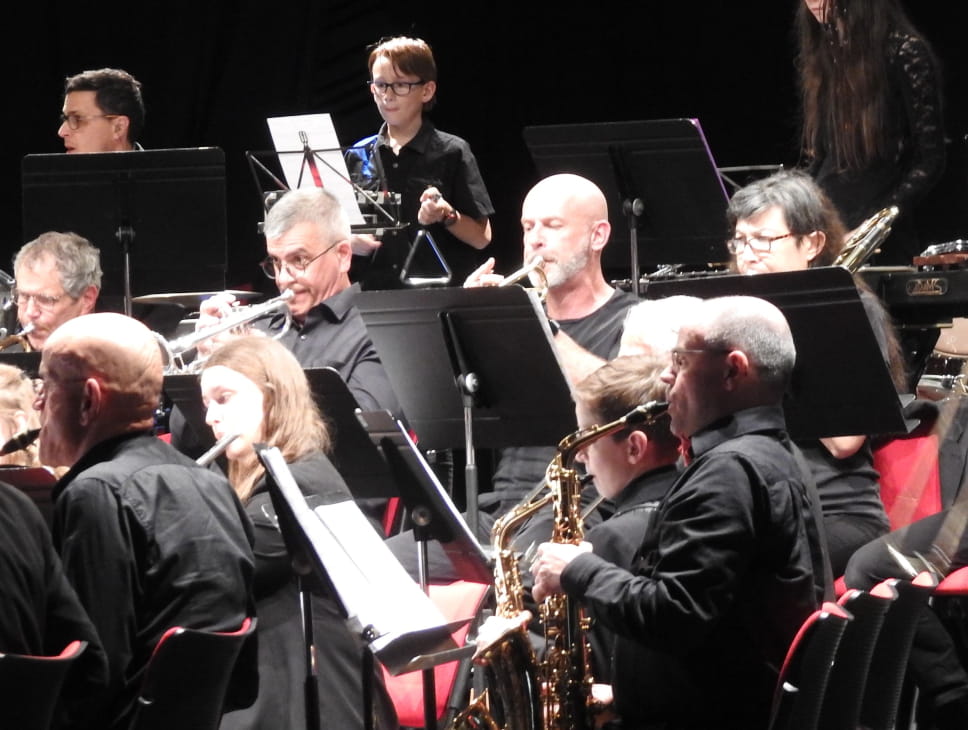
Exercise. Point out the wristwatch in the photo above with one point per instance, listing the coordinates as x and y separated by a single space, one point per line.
451 218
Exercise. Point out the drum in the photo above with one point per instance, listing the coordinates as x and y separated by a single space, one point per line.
946 369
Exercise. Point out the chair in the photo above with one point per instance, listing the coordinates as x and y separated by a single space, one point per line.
803 678
188 677
460 600
845 687
885 679
30 686
909 477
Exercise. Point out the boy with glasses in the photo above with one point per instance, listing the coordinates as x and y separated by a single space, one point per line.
435 173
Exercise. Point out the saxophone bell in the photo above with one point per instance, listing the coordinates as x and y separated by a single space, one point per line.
865 239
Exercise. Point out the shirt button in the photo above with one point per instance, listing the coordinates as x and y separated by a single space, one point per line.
396 165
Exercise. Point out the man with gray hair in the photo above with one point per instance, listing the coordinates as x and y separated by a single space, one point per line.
309 253
719 588
57 277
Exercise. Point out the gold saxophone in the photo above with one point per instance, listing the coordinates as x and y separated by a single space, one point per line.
553 693
865 239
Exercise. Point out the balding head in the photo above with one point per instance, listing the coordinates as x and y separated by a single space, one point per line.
760 330
565 221
734 353
575 192
102 377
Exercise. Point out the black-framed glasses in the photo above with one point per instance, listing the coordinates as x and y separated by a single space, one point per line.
677 359
43 301
758 242
271 266
400 88
74 121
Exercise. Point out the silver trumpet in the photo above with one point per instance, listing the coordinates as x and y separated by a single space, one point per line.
536 267
175 350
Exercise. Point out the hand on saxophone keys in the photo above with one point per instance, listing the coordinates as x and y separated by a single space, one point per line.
551 560
494 629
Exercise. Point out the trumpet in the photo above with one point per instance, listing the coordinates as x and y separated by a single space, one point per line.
536 267
175 350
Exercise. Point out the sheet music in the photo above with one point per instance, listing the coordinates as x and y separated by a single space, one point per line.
382 602
288 135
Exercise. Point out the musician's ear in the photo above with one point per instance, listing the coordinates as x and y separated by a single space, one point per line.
812 244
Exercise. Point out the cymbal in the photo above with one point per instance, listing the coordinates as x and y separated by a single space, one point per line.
192 298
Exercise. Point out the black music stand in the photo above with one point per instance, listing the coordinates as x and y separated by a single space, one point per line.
473 363
381 209
841 384
158 216
29 362
434 516
658 175
401 626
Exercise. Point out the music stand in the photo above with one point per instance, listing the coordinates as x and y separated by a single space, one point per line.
380 209
456 360
841 384
28 362
658 175
434 518
401 626
148 211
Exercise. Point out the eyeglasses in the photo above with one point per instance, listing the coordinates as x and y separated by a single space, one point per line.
271 266
678 361
74 121
758 242
400 88
43 301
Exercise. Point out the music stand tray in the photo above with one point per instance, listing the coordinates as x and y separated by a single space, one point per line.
664 164
841 384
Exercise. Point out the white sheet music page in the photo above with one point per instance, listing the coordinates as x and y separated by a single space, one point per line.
291 136
377 592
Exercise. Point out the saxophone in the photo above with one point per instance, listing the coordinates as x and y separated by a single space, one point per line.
553 693
865 239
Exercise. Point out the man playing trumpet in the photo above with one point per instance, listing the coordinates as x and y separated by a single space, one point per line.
564 219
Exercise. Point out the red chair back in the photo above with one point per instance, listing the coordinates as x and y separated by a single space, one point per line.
798 699
30 686
909 477
187 678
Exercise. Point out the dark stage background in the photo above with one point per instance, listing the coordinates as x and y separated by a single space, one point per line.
213 71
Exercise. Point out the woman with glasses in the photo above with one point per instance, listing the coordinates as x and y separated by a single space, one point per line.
254 387
442 192
786 223
872 118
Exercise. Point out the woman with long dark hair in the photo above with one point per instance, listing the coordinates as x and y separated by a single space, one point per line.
872 117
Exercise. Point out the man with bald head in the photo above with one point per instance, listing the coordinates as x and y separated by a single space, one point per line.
734 563
148 539
564 219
